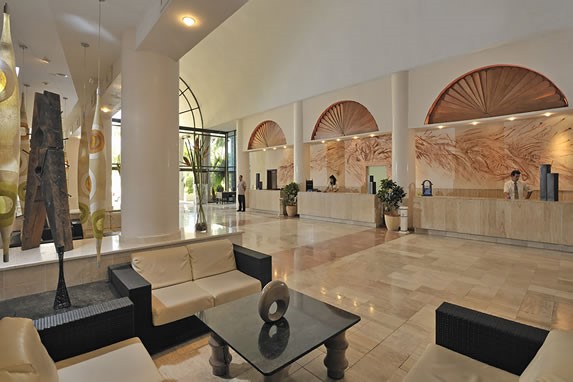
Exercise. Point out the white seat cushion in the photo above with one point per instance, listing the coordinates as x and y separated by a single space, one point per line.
125 361
553 362
438 364
175 302
229 286
163 267
211 258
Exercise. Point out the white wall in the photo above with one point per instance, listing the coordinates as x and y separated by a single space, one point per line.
275 52
550 55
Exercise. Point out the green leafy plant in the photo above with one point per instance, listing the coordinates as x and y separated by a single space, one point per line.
220 188
391 195
289 194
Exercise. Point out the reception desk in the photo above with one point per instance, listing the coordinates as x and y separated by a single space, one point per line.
339 207
531 221
267 201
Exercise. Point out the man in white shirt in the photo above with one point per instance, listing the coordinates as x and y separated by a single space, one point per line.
516 189
241 188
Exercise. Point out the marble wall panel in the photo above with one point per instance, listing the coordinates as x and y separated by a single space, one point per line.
482 157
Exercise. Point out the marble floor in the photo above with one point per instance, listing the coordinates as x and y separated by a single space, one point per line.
394 282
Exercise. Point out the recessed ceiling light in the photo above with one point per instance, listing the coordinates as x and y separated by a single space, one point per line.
441 127
105 109
322 141
189 21
475 123
371 135
354 137
548 114
337 139
264 149
511 119
284 147
274 148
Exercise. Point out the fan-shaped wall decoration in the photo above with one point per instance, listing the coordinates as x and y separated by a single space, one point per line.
267 134
344 118
495 90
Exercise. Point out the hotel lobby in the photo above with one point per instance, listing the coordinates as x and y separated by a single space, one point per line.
458 95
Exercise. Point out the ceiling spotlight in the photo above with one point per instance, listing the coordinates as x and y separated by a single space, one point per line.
322 141
337 139
274 148
511 119
264 149
105 109
475 123
284 147
548 114
371 135
441 127
354 137
189 21
45 60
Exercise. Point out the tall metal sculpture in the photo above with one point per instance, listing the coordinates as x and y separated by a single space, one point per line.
47 192
24 153
9 135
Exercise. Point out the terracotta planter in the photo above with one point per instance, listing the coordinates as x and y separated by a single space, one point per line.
291 210
392 222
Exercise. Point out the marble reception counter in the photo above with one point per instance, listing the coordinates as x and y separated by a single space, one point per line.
525 220
340 207
268 201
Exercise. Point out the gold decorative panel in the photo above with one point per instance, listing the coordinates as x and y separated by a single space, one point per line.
494 91
266 134
344 118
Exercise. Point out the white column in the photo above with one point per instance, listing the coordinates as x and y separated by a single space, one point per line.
298 152
106 123
242 156
149 144
401 166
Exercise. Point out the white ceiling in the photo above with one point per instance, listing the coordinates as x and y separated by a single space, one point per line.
56 28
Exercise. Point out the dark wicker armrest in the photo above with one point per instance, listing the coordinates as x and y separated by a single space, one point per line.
254 264
501 343
129 283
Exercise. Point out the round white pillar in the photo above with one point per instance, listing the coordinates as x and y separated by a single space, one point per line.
298 151
400 140
242 156
149 144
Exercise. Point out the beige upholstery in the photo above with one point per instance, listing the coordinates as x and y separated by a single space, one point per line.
23 357
175 302
553 362
438 364
163 267
229 286
211 258
126 361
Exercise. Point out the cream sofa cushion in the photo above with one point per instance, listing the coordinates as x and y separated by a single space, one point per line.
553 362
211 258
229 286
23 357
438 364
163 267
125 361
179 301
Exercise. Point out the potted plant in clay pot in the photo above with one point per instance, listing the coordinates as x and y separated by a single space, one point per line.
391 196
289 194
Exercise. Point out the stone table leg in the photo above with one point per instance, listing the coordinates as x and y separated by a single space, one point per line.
220 356
335 360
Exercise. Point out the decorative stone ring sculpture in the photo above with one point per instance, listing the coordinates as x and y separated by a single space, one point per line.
274 292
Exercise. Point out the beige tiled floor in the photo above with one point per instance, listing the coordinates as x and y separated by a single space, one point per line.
394 282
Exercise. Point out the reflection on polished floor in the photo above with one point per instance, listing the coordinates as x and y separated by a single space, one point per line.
394 282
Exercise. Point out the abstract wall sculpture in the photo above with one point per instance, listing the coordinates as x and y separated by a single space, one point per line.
266 134
97 180
24 153
493 91
9 135
349 160
47 190
344 118
483 157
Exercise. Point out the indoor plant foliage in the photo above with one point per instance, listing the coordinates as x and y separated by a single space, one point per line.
289 194
196 151
391 195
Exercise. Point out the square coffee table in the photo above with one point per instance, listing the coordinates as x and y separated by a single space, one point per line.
269 348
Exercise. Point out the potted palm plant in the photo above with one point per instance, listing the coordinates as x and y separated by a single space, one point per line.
195 155
391 196
289 194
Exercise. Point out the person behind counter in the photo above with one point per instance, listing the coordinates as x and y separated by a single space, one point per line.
332 187
516 189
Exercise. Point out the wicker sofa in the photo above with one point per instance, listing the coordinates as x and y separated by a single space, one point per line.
474 346
23 358
168 286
